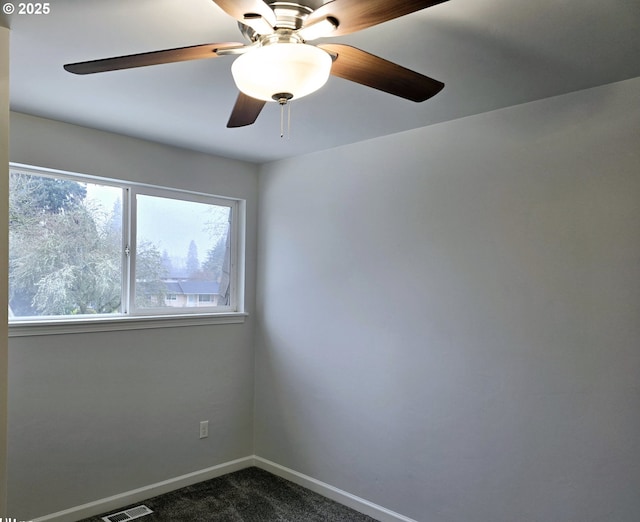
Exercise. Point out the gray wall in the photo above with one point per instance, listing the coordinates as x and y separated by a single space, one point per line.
96 414
449 318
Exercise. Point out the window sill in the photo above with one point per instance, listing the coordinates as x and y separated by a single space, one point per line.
111 324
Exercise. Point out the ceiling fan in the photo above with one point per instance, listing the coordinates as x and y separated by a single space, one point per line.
279 64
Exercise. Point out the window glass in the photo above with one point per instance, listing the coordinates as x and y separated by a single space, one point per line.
182 250
65 247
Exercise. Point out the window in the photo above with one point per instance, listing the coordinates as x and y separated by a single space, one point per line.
83 247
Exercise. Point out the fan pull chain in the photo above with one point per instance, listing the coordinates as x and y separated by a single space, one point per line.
282 133
282 119
283 99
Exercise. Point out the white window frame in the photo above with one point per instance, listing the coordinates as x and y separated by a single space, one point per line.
146 190
129 317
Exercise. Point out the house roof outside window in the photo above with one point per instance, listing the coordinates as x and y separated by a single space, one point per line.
193 287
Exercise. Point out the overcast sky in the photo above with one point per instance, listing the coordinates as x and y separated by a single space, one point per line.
170 224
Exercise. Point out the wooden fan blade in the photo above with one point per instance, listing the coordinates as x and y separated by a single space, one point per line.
355 15
245 111
181 54
370 70
239 9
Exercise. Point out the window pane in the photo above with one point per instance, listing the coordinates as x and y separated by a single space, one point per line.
65 247
182 253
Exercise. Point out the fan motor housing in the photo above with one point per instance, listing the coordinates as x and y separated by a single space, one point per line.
289 16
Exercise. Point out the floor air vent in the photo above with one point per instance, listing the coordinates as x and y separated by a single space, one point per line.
128 514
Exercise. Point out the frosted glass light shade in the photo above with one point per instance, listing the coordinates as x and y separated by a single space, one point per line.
292 68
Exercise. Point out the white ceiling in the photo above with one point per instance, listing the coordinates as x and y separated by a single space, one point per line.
489 53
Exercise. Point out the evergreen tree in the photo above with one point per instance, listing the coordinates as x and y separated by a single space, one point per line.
193 265
31 195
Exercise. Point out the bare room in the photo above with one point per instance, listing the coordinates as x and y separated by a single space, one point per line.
404 276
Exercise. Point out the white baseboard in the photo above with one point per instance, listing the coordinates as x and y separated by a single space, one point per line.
359 504
137 495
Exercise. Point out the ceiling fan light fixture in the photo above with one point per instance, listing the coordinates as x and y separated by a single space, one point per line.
294 68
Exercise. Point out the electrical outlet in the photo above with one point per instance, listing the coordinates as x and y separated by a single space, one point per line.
204 429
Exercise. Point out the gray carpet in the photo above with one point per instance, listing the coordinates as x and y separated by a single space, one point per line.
248 495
